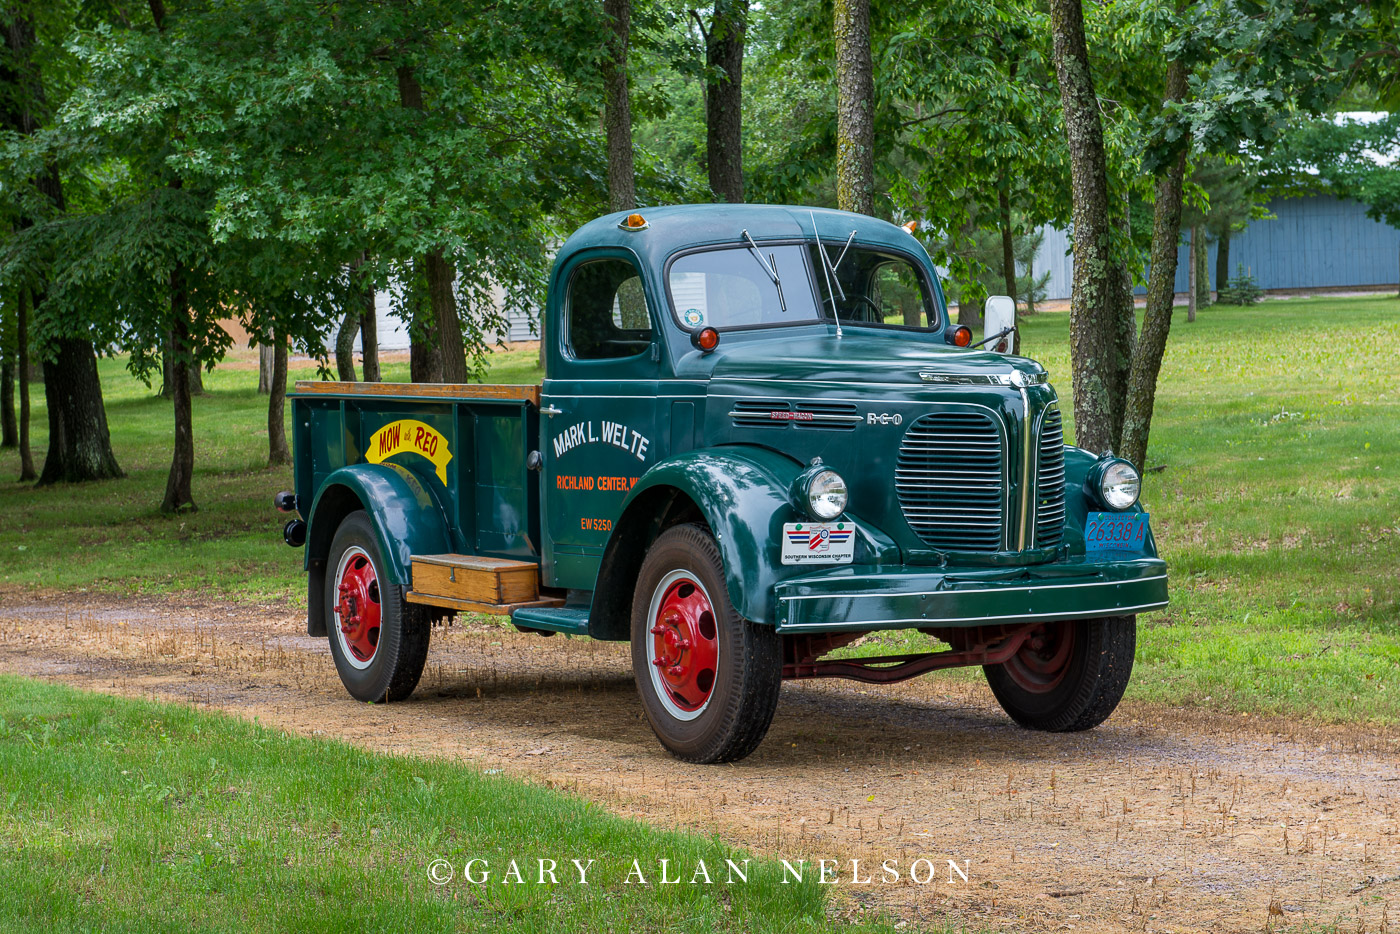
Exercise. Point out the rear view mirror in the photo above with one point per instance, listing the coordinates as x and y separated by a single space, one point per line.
999 329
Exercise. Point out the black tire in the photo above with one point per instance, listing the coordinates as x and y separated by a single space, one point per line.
1084 691
392 669
747 673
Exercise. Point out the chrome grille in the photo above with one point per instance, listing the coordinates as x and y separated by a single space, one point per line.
949 481
1050 483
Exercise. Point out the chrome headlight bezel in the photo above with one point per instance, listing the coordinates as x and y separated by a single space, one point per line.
1110 481
818 490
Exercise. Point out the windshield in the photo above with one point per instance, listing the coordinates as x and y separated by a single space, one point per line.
870 287
733 287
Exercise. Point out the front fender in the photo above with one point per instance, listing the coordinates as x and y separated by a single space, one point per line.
743 493
407 517
1078 505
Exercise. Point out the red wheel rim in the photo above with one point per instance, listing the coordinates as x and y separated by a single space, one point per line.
358 609
1044 658
684 645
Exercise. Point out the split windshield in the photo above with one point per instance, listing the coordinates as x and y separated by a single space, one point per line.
734 287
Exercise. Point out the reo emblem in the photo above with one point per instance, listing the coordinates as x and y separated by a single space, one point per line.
883 418
409 436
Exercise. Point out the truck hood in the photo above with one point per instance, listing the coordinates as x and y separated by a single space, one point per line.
860 357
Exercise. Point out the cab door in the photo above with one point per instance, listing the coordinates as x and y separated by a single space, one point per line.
600 429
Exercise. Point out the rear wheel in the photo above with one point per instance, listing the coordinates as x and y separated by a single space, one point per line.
708 678
1068 675
378 639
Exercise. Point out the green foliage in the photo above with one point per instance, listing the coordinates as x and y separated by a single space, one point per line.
1340 156
1241 289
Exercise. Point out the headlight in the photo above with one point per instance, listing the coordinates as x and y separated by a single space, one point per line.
1115 484
820 492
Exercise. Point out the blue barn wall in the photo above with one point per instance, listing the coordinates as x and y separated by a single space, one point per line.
1317 242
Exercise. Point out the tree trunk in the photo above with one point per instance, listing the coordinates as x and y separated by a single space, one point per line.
1008 242
446 357
369 335
1191 266
1222 263
178 495
277 451
264 369
1094 306
724 99
1124 335
442 276
9 429
617 110
26 456
344 348
1161 291
80 447
855 108
196 374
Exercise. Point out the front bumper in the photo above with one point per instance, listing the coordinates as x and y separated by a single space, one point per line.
857 598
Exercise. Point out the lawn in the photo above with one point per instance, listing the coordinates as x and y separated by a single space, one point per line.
1277 505
126 815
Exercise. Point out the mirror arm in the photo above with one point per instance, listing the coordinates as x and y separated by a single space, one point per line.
1008 331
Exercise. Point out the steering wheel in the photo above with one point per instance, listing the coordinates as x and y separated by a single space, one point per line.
876 310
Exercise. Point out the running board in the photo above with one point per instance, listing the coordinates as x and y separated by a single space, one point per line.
476 584
568 620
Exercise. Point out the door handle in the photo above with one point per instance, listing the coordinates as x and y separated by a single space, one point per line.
551 411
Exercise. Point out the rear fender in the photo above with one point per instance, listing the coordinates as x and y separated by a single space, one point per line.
407 518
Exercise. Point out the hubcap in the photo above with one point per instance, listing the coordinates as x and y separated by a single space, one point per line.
1044 658
357 610
684 645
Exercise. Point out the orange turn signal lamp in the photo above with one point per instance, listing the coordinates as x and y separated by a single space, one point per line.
912 226
962 335
634 222
705 340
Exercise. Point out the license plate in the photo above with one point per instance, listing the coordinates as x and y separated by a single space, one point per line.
1116 531
818 542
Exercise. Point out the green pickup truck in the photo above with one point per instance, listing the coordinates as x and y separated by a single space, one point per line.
759 439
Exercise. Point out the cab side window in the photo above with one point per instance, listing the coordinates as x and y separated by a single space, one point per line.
608 315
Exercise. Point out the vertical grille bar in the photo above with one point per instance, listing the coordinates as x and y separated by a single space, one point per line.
949 480
1050 482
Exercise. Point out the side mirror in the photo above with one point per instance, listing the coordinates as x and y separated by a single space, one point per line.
1000 315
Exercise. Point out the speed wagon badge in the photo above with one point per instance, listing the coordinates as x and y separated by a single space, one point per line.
818 543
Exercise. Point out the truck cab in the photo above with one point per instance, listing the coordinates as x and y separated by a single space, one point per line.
759 437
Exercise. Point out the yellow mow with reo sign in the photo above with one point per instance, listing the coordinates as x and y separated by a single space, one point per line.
410 436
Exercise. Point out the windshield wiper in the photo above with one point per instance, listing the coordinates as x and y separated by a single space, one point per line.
829 271
772 269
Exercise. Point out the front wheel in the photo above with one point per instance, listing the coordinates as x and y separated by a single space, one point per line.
708 678
378 639
1068 675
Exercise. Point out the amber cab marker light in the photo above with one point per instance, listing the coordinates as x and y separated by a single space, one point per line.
705 339
634 222
912 226
962 336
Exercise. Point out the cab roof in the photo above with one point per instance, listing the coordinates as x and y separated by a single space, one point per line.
680 226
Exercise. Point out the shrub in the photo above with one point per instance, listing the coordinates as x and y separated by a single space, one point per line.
1242 289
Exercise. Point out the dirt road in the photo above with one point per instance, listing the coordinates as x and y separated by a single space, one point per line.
1160 820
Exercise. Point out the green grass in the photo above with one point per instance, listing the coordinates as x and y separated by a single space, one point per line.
1278 508
126 815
